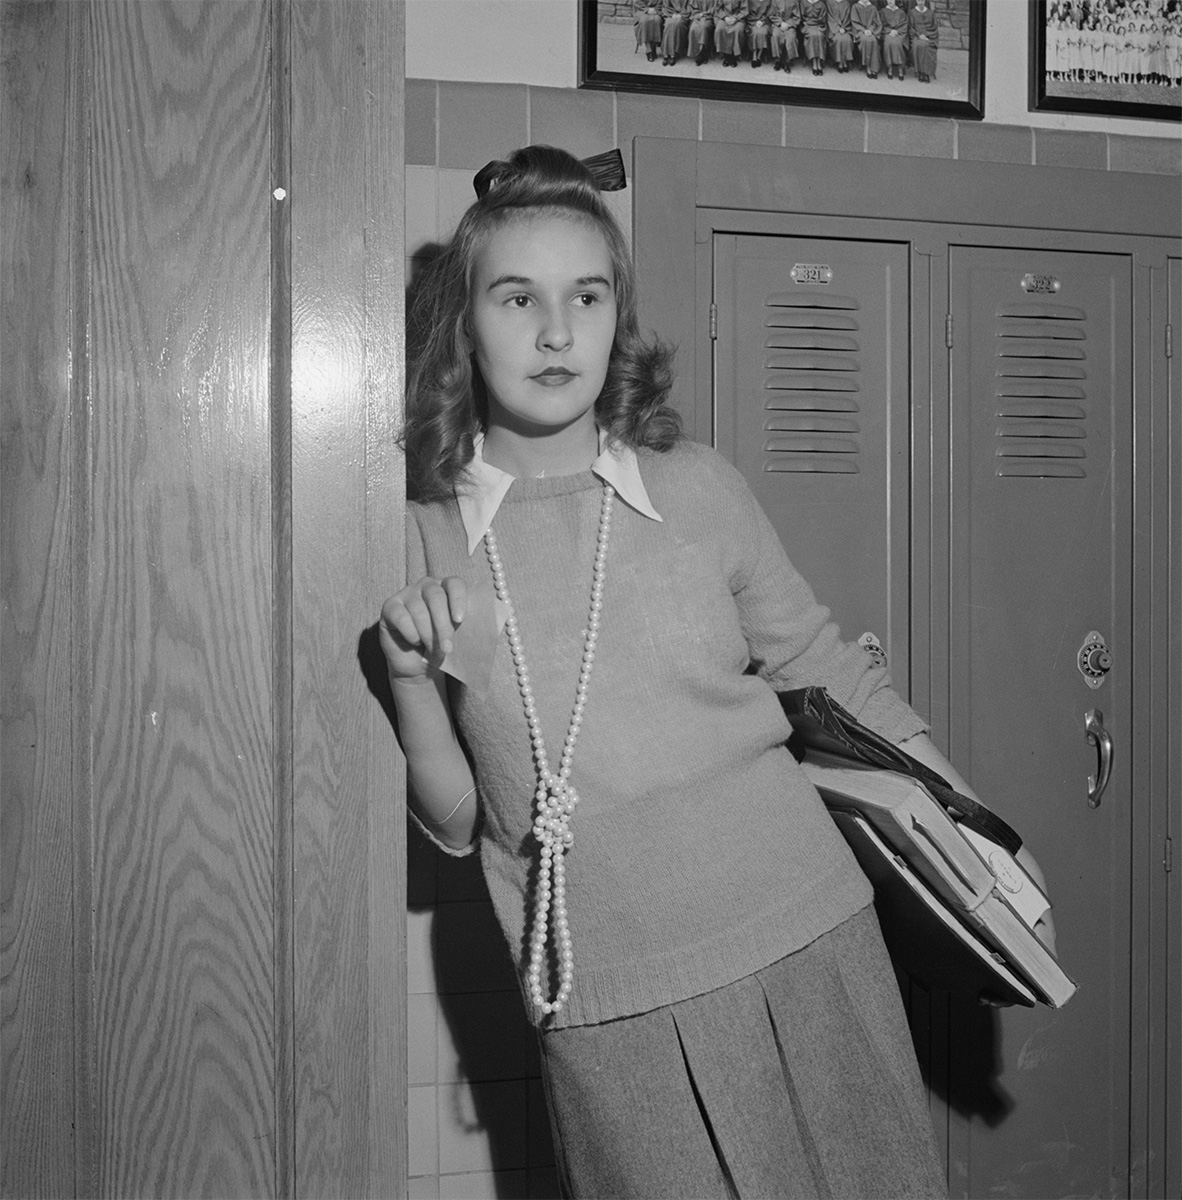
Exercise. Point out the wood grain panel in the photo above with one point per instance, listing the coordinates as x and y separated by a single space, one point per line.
44 1112
281 612
181 598
346 554
180 884
385 491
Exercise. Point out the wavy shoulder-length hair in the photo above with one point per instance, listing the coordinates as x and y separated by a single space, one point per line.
446 404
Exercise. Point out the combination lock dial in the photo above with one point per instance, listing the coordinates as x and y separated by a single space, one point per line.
1094 660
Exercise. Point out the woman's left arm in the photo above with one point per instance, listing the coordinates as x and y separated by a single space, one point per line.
922 748
793 643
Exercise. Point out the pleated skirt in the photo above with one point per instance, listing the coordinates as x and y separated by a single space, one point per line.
799 1081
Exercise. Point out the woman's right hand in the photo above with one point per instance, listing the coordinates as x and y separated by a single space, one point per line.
418 623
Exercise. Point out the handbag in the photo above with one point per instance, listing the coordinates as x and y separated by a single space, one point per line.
820 723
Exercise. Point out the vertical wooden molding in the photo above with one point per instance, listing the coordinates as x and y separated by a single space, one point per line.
385 482
347 853
79 86
47 1118
1168 486
282 748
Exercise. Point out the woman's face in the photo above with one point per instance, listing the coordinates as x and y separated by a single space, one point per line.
543 321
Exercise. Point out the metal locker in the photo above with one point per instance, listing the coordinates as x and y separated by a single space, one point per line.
811 404
1039 567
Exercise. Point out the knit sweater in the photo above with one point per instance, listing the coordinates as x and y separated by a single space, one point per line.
701 851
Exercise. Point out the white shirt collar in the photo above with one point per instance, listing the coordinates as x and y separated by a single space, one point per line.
481 494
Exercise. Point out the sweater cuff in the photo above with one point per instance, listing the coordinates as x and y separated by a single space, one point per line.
892 717
425 830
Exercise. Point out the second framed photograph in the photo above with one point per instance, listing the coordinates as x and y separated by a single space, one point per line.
916 56
1116 58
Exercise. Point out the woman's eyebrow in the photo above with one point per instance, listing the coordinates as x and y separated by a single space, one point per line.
525 281
501 280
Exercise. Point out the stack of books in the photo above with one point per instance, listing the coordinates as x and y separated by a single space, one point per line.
958 911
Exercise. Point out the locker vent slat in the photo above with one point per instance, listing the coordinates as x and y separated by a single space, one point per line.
814 421
1041 408
808 297
786 318
1041 430
1072 330
1037 311
1016 369
810 339
1038 348
1041 389
811 402
811 378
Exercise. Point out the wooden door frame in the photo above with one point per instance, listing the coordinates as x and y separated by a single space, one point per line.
325 1051
687 190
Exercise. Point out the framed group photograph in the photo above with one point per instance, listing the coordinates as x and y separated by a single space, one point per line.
915 56
1117 58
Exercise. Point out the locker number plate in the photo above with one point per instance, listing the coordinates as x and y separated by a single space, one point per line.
1040 285
811 273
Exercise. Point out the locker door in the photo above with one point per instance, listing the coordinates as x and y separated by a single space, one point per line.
1168 694
811 389
1040 541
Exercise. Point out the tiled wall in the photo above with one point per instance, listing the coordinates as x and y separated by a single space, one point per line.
458 127
477 1119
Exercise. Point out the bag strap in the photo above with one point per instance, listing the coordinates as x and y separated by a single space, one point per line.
820 723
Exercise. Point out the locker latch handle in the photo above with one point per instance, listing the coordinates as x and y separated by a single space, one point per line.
1099 737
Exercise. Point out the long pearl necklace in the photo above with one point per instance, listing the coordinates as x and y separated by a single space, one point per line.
555 797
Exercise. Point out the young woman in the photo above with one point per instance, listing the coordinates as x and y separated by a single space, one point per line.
841 34
585 668
785 24
730 30
675 33
894 39
701 30
867 27
924 33
759 30
646 18
814 25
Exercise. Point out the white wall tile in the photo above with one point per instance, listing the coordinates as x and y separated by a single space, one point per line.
422 1129
484 1185
421 1038
422 212
423 1187
455 197
420 966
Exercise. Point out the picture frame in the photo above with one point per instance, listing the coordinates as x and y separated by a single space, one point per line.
1080 69
613 55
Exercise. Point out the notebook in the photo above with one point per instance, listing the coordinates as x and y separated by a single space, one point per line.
920 859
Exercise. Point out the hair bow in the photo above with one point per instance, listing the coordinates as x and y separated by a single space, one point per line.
606 168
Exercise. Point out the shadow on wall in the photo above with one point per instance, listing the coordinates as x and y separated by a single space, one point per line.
958 1045
976 1034
491 1045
